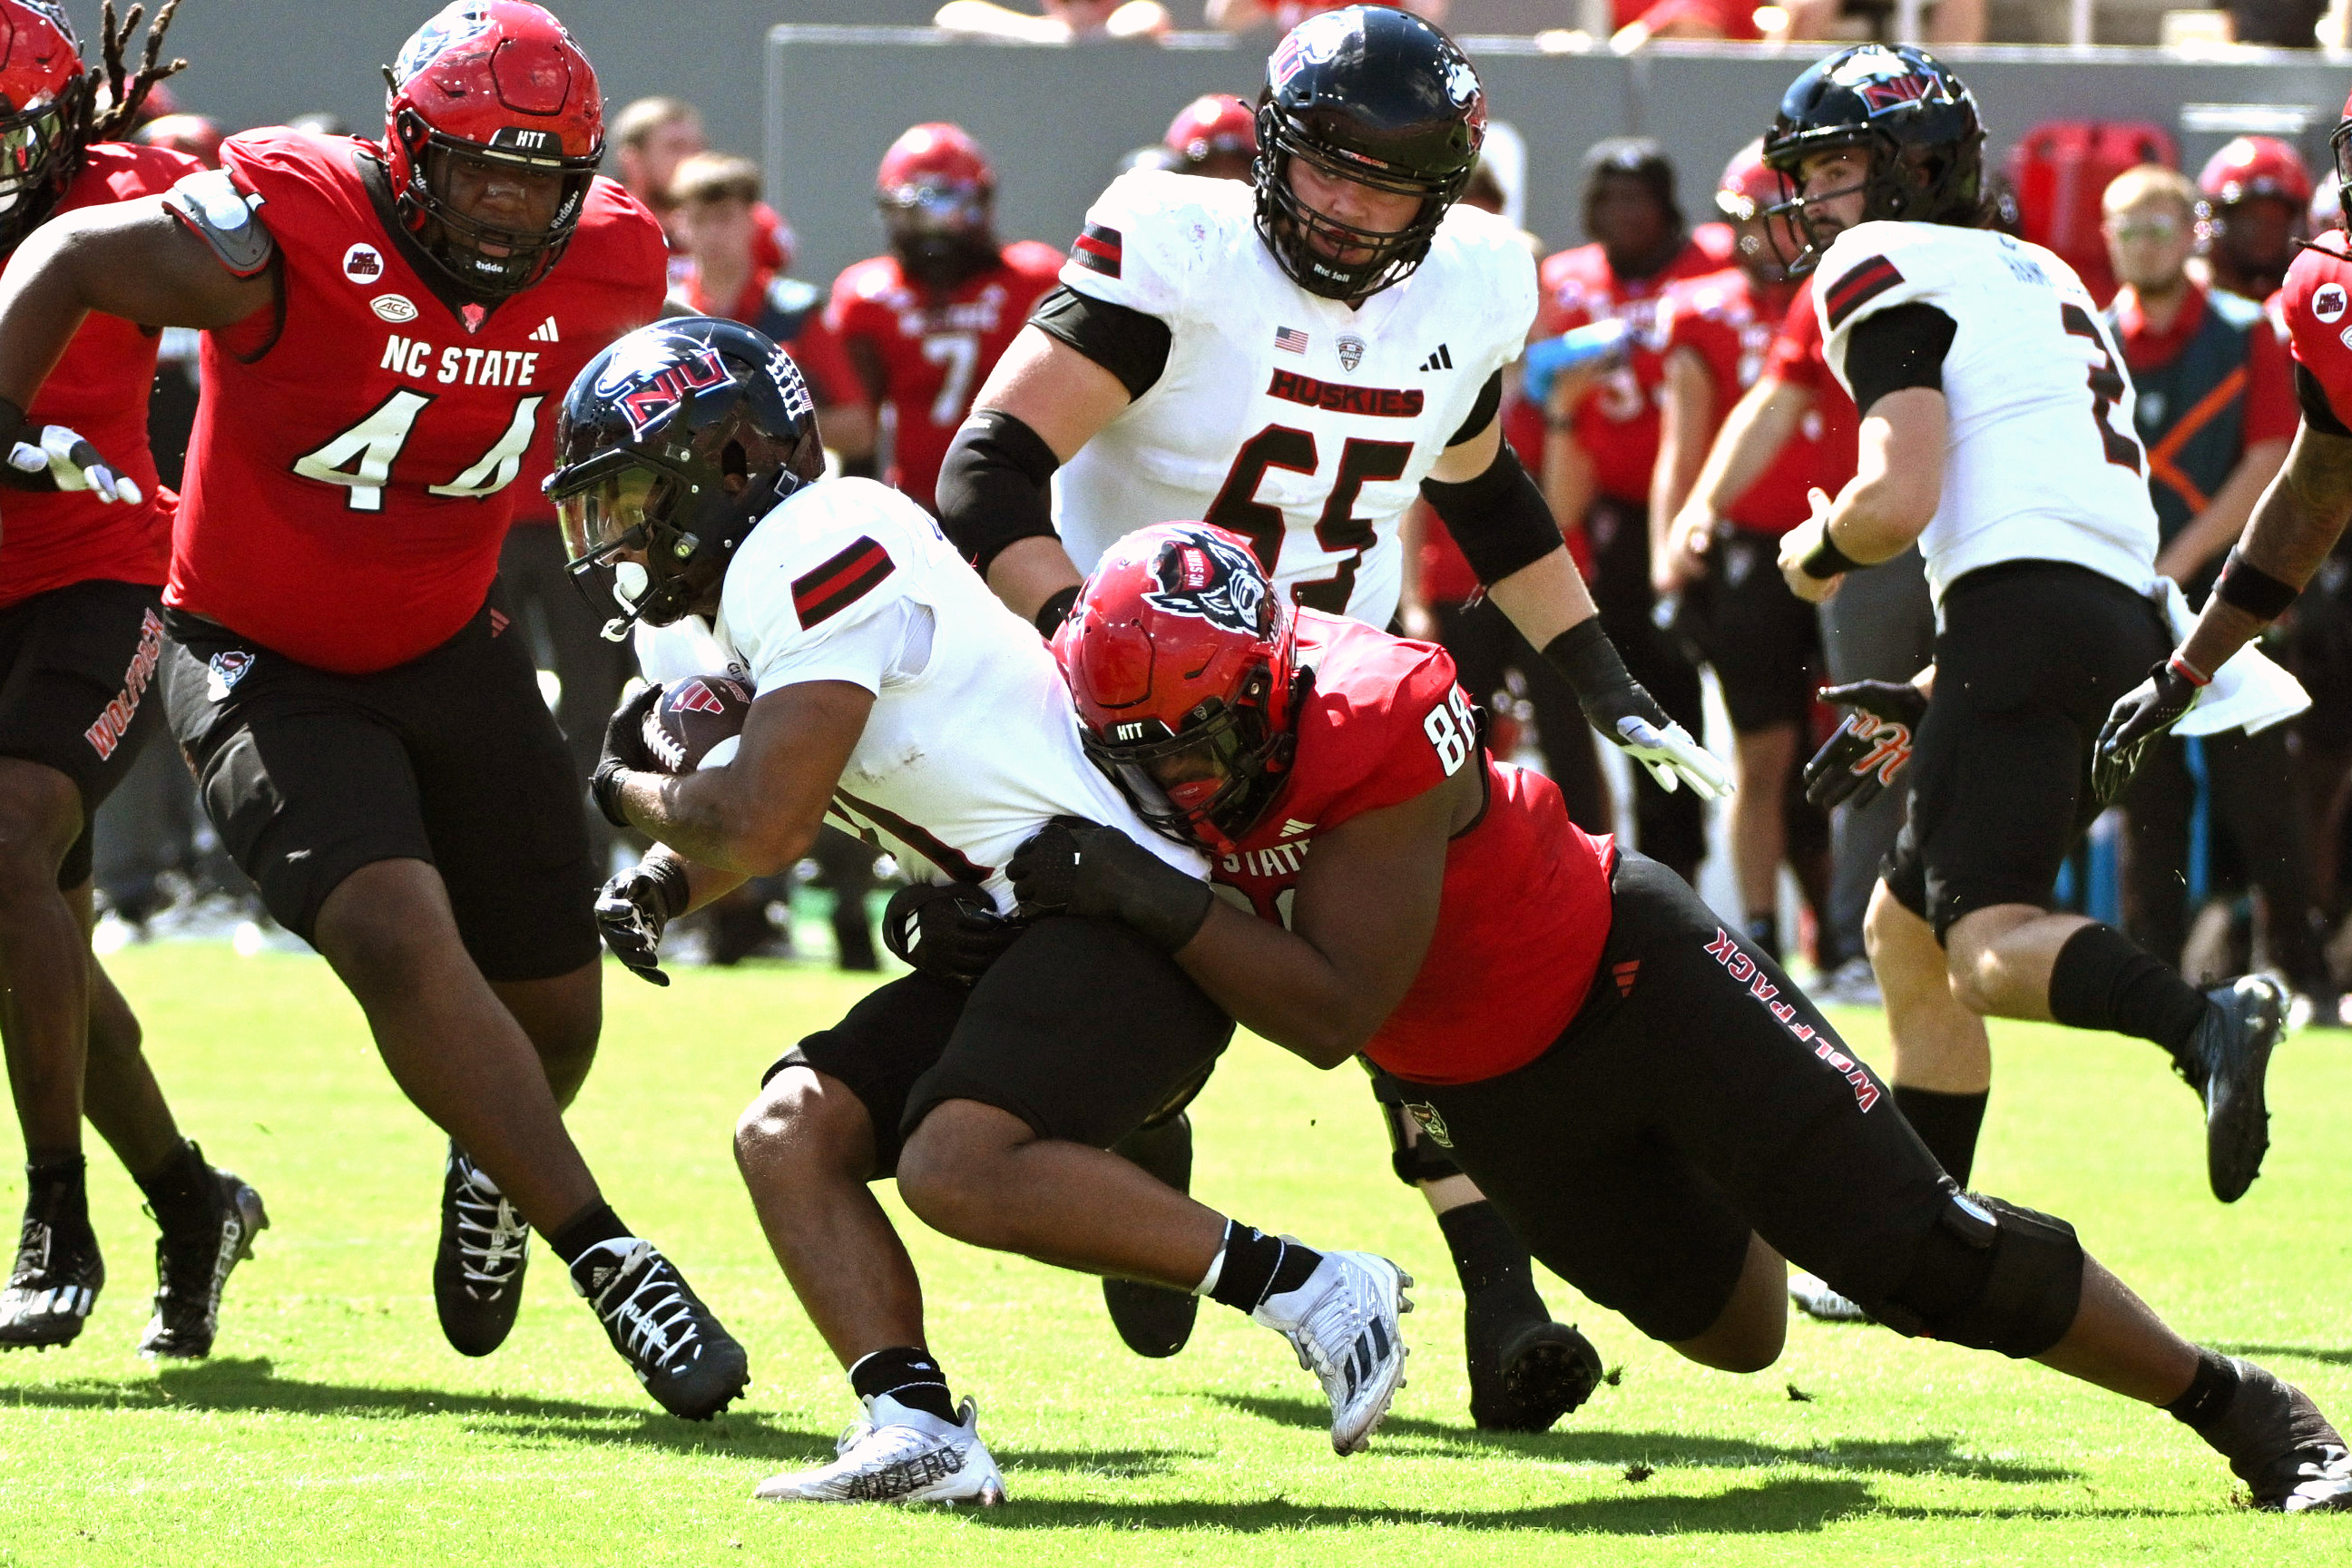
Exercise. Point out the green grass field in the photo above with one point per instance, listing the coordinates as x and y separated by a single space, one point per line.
333 1425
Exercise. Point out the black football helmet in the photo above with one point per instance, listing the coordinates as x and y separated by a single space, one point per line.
1917 122
650 436
1375 95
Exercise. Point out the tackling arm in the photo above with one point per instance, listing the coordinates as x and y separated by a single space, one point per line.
2296 524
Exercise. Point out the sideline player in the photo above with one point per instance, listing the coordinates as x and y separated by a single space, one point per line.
384 329
924 324
1297 360
897 696
2296 523
1658 1109
1996 434
2255 191
81 633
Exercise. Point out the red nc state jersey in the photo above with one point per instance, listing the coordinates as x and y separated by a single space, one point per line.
936 348
48 540
350 475
1527 904
2316 301
1617 421
1732 325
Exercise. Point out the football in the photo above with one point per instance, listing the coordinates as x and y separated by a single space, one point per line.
697 723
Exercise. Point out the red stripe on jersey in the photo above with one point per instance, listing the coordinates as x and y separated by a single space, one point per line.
1098 248
824 591
1859 286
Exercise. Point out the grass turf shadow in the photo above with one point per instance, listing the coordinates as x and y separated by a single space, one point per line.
2292 1353
1939 1456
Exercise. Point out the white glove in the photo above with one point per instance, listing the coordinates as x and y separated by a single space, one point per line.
1673 757
66 462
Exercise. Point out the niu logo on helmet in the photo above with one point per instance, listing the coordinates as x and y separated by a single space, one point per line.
647 396
1203 576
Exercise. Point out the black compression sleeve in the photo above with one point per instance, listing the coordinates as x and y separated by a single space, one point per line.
1482 413
2317 412
1902 346
992 488
1499 519
1130 345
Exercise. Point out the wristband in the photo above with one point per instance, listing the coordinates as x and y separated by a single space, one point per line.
2187 671
1826 559
1588 658
667 877
1055 610
2248 587
604 792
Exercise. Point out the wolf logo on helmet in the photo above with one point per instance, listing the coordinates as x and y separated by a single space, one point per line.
1204 576
452 24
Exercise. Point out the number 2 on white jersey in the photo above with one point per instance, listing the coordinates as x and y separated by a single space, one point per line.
360 458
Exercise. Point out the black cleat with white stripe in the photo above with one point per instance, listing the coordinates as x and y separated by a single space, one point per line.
687 1360
192 1270
56 1281
478 1271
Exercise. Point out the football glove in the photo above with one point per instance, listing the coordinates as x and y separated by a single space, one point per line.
636 907
949 930
2139 718
1854 765
53 458
1073 866
625 752
1617 705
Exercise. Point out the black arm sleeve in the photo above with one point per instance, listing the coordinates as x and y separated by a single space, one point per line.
2317 412
1130 345
992 487
1901 346
1499 519
1482 413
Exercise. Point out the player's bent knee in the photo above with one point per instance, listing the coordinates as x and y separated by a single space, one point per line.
953 1168
1991 1276
802 1121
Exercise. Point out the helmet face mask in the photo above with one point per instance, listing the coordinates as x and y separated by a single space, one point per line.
47 102
490 257
935 192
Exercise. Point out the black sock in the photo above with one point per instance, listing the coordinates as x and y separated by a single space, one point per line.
1493 1264
182 1193
584 1230
907 1375
1253 1265
1764 931
2104 980
1946 1123
55 1190
2210 1392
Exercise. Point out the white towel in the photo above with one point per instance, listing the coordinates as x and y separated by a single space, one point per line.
2249 692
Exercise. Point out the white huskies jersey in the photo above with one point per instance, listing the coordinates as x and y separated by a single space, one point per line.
973 741
2043 462
1295 421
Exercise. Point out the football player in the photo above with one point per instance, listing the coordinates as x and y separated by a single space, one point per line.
1716 334
1298 359
80 638
2255 191
924 324
1996 434
2297 521
1658 1109
1214 137
897 697
385 327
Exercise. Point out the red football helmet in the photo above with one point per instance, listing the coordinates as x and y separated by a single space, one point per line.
497 84
1746 195
1214 126
1183 660
45 107
2256 166
935 187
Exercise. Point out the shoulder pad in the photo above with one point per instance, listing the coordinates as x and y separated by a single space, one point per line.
223 217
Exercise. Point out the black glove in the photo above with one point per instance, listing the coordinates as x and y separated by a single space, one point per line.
1623 709
625 752
1054 611
633 909
2139 717
1074 867
53 458
1870 748
949 930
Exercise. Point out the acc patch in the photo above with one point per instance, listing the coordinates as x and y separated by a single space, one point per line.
393 307
2328 301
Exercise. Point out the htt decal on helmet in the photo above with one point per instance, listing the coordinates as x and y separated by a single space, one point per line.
1203 576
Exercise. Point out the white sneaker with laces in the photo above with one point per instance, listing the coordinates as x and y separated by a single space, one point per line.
1343 1324
1815 1298
899 1455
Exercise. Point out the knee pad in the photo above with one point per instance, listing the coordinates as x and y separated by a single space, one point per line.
1992 1277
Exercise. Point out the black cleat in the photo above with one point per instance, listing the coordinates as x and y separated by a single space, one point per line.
477 1272
192 1270
1153 1319
54 1284
687 1360
1525 1377
2277 1442
2225 1062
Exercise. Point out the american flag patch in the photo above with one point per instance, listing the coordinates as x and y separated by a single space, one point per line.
1290 340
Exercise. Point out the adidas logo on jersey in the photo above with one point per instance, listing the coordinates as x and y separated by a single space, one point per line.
545 332
1442 360
1292 825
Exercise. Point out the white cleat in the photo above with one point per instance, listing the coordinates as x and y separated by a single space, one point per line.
1815 1298
1343 1324
899 1455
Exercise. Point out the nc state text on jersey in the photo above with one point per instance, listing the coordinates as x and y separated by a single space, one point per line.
1380 402
415 358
